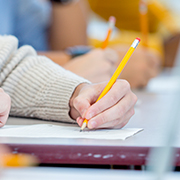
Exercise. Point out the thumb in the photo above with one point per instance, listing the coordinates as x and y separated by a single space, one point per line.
81 104
86 97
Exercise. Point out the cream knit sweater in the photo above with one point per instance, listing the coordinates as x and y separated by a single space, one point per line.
38 87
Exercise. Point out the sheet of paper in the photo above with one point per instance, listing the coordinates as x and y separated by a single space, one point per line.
55 131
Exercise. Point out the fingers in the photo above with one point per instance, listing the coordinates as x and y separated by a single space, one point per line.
112 111
116 93
120 122
87 96
116 114
80 121
5 103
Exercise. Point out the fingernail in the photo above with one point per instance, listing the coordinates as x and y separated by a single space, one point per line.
78 119
92 124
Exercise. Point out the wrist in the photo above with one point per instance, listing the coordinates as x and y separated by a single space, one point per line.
63 2
76 51
59 57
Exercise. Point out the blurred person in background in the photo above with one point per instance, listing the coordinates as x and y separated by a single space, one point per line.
163 24
53 27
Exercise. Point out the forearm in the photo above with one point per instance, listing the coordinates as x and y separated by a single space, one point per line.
59 57
69 23
38 87
43 91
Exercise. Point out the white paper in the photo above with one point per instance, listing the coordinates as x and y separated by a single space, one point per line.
56 131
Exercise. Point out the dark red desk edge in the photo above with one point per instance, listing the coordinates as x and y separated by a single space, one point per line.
80 154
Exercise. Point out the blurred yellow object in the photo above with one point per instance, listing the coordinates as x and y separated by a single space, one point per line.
161 21
126 13
112 21
164 16
124 38
144 22
18 160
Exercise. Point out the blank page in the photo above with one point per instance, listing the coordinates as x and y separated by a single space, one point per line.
58 131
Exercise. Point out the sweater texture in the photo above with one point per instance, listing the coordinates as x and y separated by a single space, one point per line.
38 87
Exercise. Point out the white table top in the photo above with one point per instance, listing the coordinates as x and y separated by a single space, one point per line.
78 173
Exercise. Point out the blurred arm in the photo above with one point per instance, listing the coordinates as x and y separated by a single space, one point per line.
59 57
69 23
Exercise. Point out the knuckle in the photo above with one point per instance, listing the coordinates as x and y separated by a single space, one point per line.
76 102
114 98
103 119
126 84
97 109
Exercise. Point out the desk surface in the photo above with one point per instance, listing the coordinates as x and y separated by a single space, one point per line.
77 174
151 111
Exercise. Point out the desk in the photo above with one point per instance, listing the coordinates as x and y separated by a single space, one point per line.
77 174
151 112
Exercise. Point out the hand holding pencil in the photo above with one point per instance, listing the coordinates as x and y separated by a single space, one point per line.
108 108
112 21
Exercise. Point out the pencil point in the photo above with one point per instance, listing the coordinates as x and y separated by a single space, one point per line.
83 125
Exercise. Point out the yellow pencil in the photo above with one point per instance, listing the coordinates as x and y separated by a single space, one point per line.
17 160
112 21
116 74
144 22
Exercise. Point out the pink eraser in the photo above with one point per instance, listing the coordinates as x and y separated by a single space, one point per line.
112 19
138 39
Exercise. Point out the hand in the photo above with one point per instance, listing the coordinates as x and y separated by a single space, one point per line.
96 66
112 111
143 65
5 104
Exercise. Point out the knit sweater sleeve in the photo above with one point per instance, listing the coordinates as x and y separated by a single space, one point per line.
38 87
